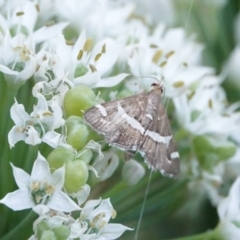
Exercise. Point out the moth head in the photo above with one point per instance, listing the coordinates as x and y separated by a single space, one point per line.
158 88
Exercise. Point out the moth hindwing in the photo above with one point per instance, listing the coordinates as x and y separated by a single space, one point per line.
138 124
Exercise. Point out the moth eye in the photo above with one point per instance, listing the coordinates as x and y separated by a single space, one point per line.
154 84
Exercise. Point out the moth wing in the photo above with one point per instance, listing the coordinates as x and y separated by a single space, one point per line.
158 147
119 121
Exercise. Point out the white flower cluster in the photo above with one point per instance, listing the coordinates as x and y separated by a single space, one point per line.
42 191
106 44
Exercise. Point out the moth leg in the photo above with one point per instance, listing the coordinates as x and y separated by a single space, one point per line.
129 155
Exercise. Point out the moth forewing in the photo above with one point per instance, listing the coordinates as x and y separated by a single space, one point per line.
138 123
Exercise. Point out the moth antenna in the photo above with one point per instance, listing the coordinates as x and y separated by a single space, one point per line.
159 80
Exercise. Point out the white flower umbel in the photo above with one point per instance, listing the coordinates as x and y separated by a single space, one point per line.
41 191
57 224
229 213
93 222
38 126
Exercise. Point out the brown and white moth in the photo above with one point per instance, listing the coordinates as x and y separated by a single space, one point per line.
139 124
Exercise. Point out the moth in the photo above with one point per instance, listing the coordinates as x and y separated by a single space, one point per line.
139 123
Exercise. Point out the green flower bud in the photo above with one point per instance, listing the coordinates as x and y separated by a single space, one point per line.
77 132
61 232
78 99
76 171
132 172
226 151
41 227
210 151
59 156
48 235
76 175
45 231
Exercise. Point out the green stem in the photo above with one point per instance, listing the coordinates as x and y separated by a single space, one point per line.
30 157
6 99
213 235
22 230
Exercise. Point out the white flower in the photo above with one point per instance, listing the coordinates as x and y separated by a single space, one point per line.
17 58
205 112
174 62
41 191
81 63
22 15
48 32
82 194
55 221
96 147
54 90
107 165
156 11
38 126
94 66
232 67
99 18
97 213
229 213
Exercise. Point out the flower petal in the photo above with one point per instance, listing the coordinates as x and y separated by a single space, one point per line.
41 105
82 194
33 137
58 178
89 207
113 230
110 81
15 135
40 170
106 207
52 139
45 33
41 209
61 202
106 166
18 200
7 70
21 177
18 114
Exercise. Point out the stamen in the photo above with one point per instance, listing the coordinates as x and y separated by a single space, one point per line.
97 57
19 14
157 56
178 84
80 54
88 45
